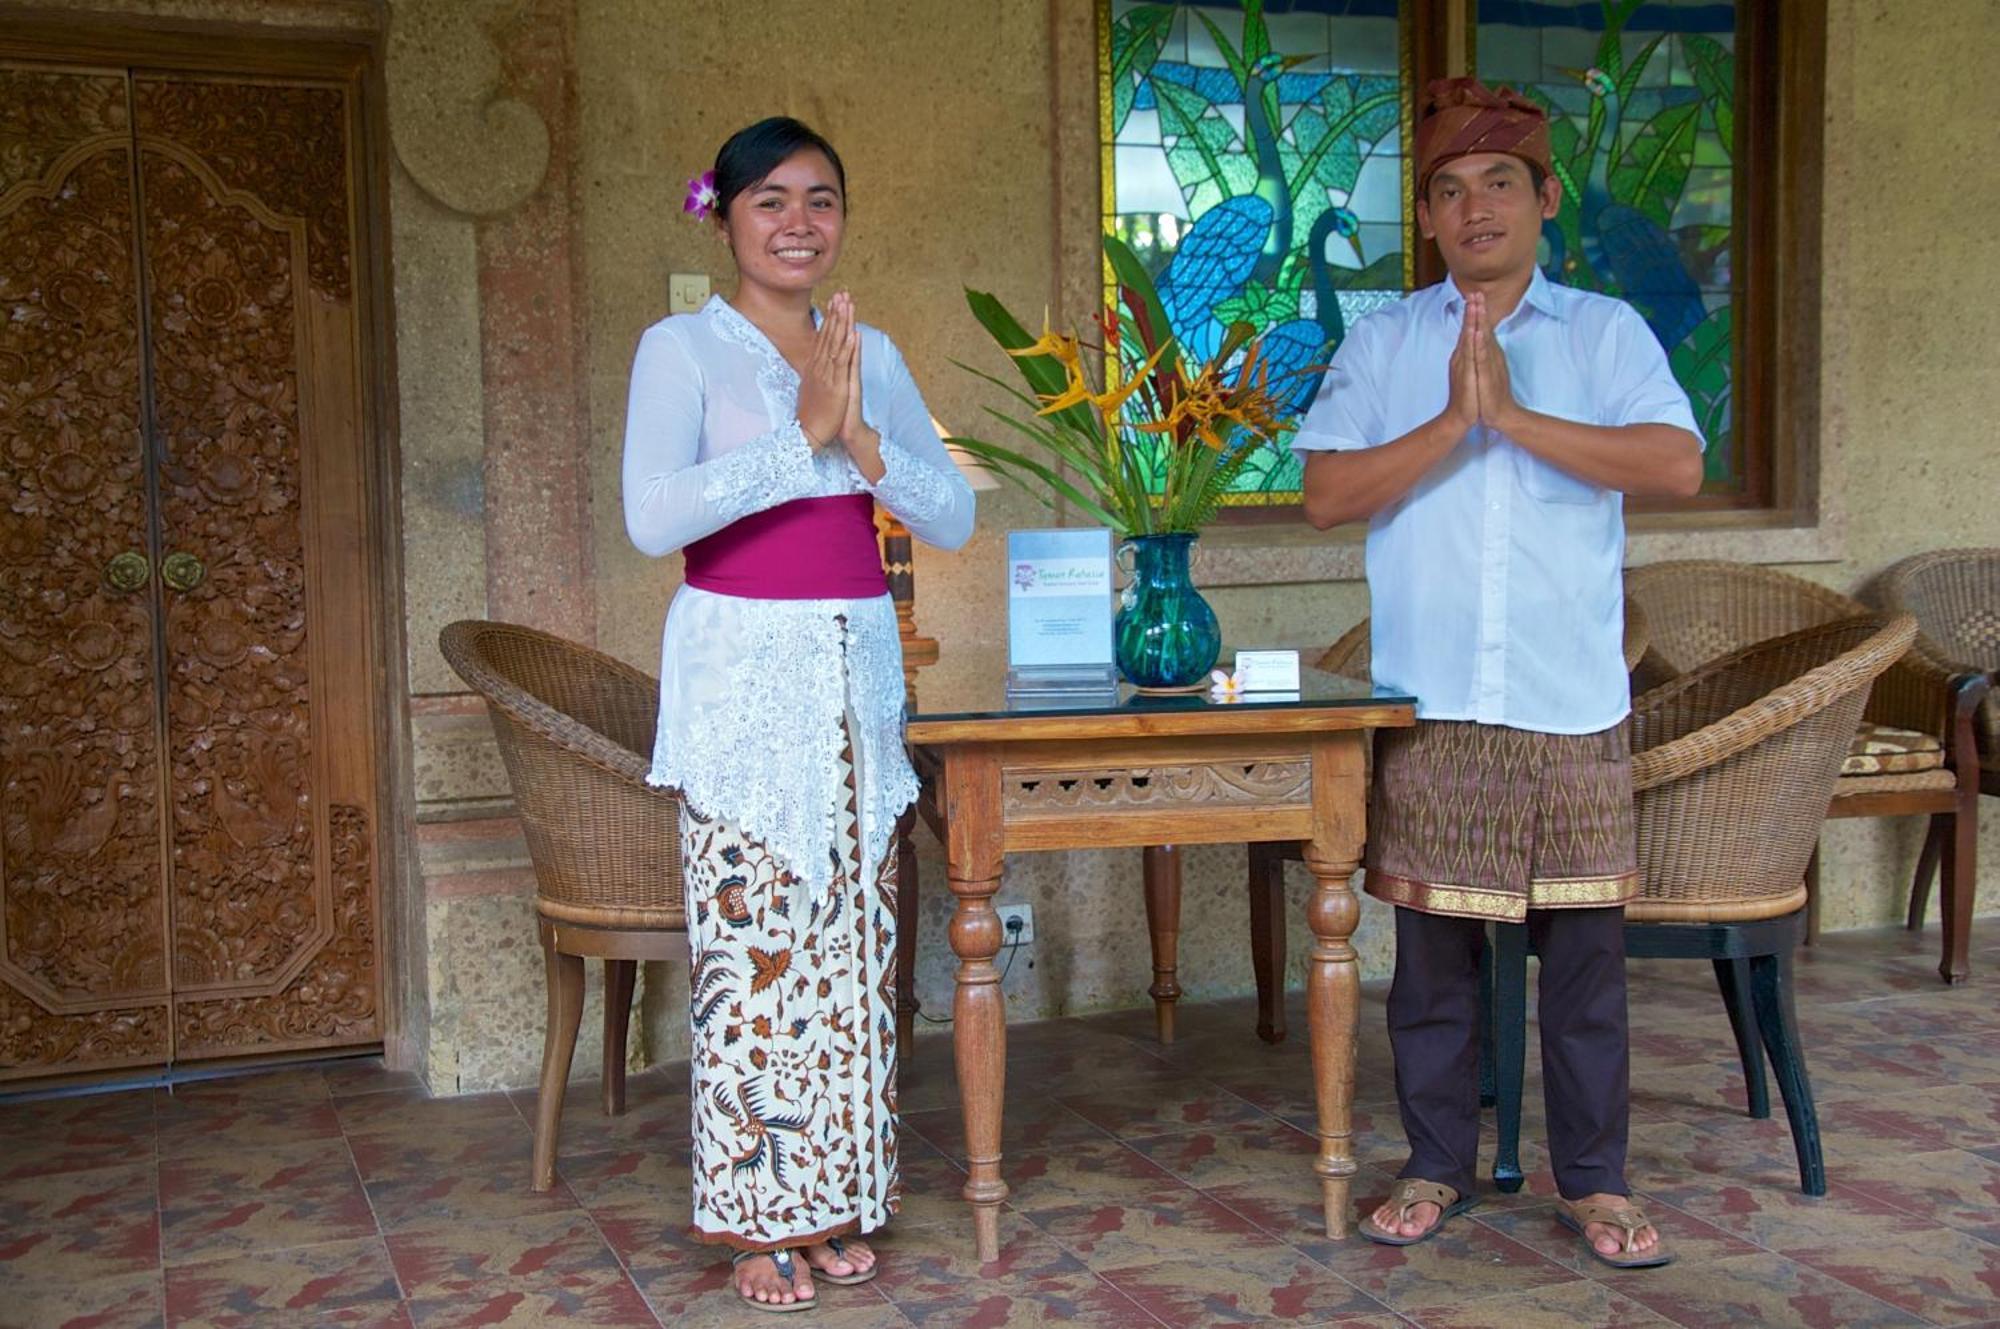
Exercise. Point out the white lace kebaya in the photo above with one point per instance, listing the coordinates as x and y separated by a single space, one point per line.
754 693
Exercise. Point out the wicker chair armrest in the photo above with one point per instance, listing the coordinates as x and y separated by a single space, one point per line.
580 741
1339 657
1779 709
1913 693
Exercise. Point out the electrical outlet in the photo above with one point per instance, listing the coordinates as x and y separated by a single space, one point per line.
687 292
1010 916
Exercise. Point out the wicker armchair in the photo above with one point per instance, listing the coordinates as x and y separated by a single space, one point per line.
1913 753
576 732
1349 657
1733 765
1955 596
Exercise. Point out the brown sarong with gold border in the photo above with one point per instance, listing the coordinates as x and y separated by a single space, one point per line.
1484 821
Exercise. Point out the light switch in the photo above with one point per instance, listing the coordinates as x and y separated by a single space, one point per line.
687 292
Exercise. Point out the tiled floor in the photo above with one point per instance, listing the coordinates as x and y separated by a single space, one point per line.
1151 1185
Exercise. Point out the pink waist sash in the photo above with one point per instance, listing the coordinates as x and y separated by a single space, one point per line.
807 549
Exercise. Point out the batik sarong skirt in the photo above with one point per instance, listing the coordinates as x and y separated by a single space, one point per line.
793 1061
1484 821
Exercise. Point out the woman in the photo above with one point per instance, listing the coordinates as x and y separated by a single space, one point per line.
759 437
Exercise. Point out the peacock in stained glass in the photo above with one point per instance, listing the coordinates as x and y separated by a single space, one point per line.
1632 254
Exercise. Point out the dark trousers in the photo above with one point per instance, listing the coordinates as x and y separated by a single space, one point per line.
1586 1060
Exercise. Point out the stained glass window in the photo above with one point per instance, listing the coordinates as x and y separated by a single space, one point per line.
1642 121
1256 168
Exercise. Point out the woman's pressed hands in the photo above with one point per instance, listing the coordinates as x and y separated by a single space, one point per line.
827 378
863 443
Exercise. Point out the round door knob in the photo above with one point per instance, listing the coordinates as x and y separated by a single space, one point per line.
128 571
182 571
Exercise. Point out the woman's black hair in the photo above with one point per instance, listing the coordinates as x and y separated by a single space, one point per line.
753 152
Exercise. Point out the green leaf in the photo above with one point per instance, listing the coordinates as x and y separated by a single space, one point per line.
1703 364
1136 283
1006 462
1256 33
1239 64
1714 72
1136 39
1208 160
1044 375
1629 80
1655 169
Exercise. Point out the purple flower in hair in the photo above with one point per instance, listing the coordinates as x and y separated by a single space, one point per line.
701 196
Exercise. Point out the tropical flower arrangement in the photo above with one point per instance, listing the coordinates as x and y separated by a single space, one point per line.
1147 448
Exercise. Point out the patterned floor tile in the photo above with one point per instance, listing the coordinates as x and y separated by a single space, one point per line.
523 1271
215 1204
927 1264
79 1227
933 1188
355 1076
656 1113
1778 1219
414 1114
1082 1299
1943 1276
1253 1282
1031 1126
629 1176
1464 1262
1172 1221
342 1282
699 1292
1762 1291
1964 1116
1095 1173
1692 1241
445 1182
74 1134
192 1128
133 1301
1244 1152
1184 1105
1953 1187
1564 1306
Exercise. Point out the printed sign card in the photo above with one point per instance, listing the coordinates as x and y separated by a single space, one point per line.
1059 610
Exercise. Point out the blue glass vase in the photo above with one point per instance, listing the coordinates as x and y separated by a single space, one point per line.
1167 636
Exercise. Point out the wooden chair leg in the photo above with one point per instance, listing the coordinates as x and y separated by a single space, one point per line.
906 940
1163 920
620 977
1958 873
1927 866
1510 1048
558 1046
1489 1094
1812 896
1733 977
1267 938
1771 987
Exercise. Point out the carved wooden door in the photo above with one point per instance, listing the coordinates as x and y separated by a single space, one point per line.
186 714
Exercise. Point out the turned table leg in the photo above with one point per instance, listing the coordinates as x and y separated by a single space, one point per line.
979 1012
1163 920
1333 997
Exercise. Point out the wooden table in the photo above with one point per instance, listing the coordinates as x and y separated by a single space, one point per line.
1140 770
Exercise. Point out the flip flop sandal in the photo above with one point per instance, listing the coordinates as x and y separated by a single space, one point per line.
839 1249
1407 1194
1627 1219
781 1261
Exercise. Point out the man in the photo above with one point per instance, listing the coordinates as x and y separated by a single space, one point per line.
1487 428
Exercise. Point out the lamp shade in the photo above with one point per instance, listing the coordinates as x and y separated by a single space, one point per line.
975 474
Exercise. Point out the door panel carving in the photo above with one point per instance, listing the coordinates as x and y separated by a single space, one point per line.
186 769
246 221
83 957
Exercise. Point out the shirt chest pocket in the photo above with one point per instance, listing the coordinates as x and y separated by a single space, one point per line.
1559 391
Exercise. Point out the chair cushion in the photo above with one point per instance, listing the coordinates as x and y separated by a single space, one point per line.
1880 750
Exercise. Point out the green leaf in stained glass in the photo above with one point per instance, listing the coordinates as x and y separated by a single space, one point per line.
1136 39
1655 167
1715 74
1702 364
1209 160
